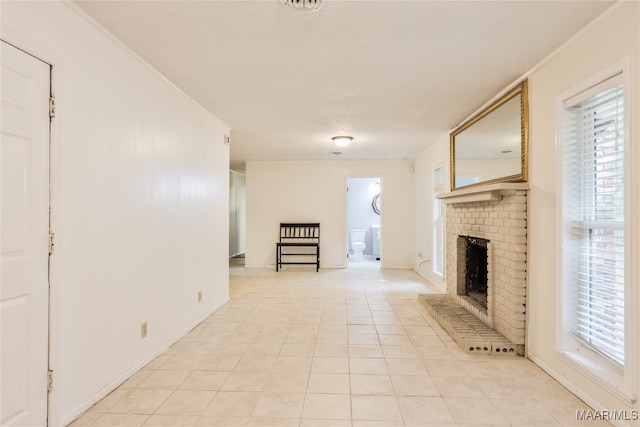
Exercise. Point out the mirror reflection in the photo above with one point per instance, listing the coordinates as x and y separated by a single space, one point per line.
491 147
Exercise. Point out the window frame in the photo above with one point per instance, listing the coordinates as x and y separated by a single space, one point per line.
620 380
438 222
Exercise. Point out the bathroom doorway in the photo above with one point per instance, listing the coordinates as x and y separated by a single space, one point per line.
364 203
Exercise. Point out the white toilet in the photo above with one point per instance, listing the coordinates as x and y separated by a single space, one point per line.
357 243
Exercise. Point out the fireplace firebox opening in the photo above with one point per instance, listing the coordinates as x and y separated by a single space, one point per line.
473 280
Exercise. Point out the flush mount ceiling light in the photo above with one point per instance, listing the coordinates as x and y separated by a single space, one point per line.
304 5
342 141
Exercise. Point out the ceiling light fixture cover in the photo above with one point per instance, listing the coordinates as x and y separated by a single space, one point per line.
304 5
342 141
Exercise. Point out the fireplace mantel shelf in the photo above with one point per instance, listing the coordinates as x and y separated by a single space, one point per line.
483 193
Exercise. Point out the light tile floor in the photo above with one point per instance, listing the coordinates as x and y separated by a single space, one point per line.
348 347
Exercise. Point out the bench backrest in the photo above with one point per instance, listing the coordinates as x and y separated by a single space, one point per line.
300 232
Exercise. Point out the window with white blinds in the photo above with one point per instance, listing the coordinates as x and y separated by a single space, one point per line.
594 216
438 221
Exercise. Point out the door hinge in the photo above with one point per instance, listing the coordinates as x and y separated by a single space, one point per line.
49 380
52 107
51 242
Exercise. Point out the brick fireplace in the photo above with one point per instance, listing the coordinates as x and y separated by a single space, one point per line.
496 216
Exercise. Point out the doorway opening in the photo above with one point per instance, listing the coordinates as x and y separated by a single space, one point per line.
237 218
364 198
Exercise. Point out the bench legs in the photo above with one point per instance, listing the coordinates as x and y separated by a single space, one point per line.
279 256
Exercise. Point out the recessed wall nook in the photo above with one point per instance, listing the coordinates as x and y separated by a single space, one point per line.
486 268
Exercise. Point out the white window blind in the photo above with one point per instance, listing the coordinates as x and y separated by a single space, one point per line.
593 197
438 221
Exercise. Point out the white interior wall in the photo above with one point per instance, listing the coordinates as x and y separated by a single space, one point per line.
437 153
612 38
139 205
305 191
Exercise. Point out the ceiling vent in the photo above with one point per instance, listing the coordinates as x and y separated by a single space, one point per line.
304 5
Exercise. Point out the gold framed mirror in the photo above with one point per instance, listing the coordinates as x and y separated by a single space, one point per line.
492 146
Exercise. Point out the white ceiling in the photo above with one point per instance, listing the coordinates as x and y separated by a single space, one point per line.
395 75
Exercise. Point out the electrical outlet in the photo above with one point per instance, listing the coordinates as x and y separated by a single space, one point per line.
143 330
199 296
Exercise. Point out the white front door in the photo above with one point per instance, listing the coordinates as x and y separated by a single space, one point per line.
24 242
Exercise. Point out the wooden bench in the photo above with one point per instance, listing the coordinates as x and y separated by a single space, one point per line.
299 243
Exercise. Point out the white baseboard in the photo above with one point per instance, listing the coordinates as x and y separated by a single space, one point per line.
573 389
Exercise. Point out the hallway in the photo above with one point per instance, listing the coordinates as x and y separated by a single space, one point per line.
348 347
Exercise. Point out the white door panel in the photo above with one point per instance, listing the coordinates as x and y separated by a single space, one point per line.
24 210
